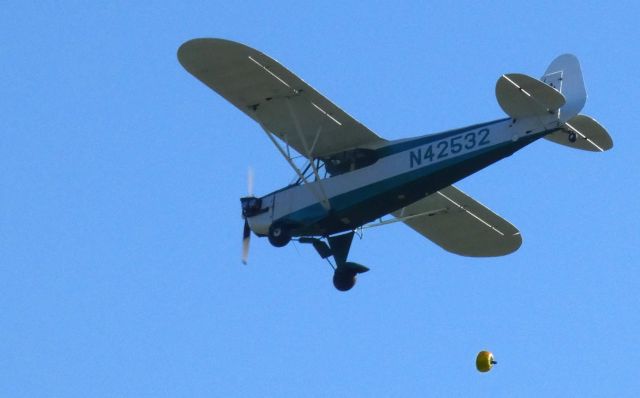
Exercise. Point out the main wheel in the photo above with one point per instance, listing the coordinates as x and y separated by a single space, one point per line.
279 235
344 280
572 137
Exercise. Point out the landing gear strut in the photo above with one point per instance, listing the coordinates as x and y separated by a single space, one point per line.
345 272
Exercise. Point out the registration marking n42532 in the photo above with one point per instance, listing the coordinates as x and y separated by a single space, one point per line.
450 146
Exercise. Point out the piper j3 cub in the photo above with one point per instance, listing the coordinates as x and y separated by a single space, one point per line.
353 177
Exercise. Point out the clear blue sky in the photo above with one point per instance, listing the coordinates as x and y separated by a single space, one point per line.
120 226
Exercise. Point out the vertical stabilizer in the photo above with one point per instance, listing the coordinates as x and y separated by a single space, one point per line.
564 75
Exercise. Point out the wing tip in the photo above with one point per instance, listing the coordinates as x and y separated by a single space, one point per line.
202 53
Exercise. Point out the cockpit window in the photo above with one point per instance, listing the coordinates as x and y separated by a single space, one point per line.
349 160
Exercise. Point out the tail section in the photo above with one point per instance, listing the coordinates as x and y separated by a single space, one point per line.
556 100
576 130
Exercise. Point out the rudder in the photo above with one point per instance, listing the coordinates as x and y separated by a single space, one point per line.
564 74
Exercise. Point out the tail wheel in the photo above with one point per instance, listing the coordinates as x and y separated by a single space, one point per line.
279 235
344 280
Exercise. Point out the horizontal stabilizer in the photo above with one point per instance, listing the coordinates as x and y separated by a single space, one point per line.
523 96
589 135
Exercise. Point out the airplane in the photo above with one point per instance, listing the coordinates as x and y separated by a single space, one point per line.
352 177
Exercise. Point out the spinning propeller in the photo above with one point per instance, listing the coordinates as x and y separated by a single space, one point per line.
246 238
246 233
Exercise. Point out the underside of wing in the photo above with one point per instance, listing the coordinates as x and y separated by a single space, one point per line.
461 225
274 97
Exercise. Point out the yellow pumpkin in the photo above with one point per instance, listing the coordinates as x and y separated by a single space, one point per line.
485 361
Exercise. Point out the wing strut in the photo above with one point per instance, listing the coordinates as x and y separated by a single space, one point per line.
401 218
321 196
323 200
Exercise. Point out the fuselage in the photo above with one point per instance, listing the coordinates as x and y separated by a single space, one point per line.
404 172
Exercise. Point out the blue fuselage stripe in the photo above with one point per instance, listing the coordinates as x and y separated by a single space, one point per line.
380 198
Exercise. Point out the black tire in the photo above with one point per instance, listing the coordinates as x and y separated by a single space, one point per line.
572 137
279 235
344 280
